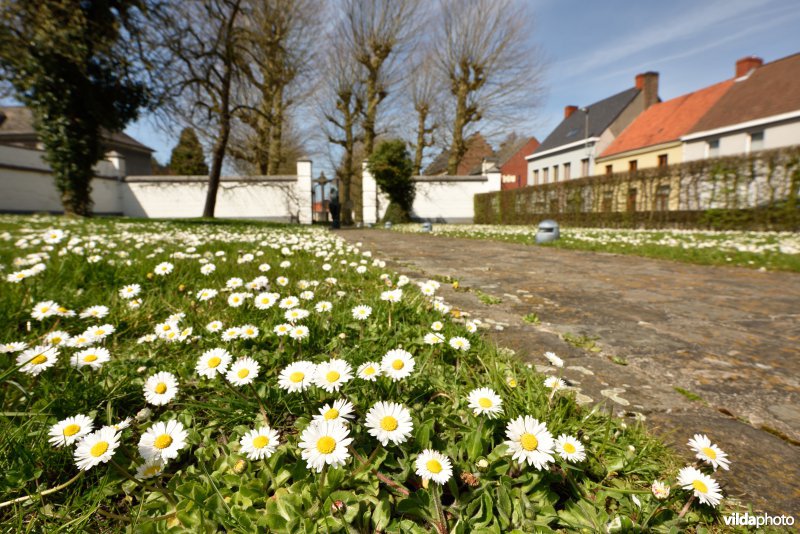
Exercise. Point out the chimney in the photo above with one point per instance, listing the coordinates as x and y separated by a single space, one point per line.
647 83
747 64
569 110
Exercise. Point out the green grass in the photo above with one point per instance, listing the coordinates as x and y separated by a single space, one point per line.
774 251
211 485
694 397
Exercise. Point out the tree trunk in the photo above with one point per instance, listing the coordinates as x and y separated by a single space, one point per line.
423 114
220 146
457 149
275 132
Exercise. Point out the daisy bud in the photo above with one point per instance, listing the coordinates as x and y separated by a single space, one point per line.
144 414
141 369
482 463
150 276
239 467
181 288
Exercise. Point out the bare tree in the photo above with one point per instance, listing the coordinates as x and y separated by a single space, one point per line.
208 46
424 88
486 60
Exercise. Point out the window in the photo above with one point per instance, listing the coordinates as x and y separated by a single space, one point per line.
756 141
544 175
662 198
608 201
713 148
632 199
662 160
567 171
536 177
633 165
555 173
585 167
609 170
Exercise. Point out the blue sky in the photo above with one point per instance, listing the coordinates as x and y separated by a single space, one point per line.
594 49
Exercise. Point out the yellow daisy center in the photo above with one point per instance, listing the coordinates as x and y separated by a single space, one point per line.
214 362
56 340
99 448
40 359
326 444
484 402
99 332
62 309
260 442
297 376
331 414
434 466
529 442
71 430
44 309
332 376
569 448
163 441
699 486
708 451
90 358
369 370
243 373
152 470
398 364
389 423
160 388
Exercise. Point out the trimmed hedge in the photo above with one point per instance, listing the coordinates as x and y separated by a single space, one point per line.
758 191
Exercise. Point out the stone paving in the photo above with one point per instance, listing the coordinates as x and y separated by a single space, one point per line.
687 348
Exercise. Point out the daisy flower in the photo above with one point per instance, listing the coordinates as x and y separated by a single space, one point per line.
369 371
213 362
471 327
433 465
162 441
282 329
233 283
484 401
35 360
529 441
705 488
288 303
259 443
163 268
389 421
264 301
340 411
264 267
436 326
297 376
325 442
236 299
433 338
214 326
553 359
554 383
306 295
230 333
160 388
295 314
70 430
96 448
397 364
130 291
243 371
207 269
14 346
299 332
44 309
98 312
570 449
362 312
331 375
206 294
92 357
323 306
248 331
708 452
460 343
660 490
59 337
392 296
282 281
99 332
149 469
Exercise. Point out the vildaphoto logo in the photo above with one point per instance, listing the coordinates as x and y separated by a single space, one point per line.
758 520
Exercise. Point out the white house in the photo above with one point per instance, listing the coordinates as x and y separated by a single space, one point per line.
570 150
760 111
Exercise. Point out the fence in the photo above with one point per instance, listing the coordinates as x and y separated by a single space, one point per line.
759 190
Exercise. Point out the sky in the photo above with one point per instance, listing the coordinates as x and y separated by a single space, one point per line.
594 49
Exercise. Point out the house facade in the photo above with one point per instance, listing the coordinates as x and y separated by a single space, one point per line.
570 151
761 111
512 163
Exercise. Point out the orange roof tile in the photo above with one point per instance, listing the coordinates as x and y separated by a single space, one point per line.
667 121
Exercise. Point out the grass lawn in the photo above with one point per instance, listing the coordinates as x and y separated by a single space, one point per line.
238 377
773 251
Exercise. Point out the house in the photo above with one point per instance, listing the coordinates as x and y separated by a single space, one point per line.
477 150
653 139
127 154
760 111
512 163
570 150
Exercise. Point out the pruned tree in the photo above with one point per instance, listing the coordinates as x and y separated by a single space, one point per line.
74 64
485 57
391 167
424 89
187 157
208 46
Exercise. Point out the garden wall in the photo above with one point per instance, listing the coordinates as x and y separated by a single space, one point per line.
756 191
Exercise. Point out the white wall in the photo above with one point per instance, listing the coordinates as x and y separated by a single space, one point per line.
438 198
574 157
737 141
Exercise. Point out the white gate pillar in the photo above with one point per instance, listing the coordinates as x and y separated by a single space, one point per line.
304 190
369 196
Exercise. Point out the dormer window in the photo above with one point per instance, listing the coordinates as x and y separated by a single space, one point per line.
713 148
